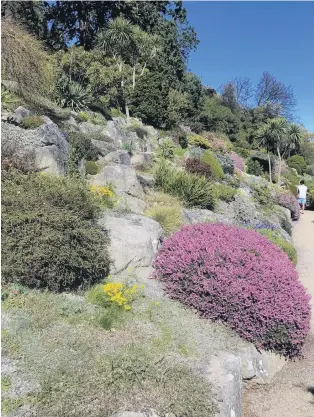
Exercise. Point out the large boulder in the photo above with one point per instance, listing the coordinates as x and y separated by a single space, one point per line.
87 127
260 366
142 159
131 132
118 157
134 240
126 186
123 179
104 146
18 116
146 181
47 142
224 374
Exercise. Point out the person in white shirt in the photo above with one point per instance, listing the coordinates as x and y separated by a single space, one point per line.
302 190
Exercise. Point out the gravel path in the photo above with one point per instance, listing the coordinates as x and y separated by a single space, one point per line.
290 395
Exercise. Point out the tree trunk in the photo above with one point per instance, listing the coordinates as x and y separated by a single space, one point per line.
269 166
142 72
279 165
133 77
127 111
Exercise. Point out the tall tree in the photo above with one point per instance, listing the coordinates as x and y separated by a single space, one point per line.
271 91
30 14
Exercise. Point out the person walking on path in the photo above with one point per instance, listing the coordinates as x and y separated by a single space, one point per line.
302 190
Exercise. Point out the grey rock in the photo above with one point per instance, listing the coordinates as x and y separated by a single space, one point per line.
142 158
122 131
123 179
260 366
104 146
118 157
18 116
72 124
194 216
128 203
224 373
134 239
87 127
50 147
146 181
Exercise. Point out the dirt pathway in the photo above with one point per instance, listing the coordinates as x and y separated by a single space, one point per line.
289 394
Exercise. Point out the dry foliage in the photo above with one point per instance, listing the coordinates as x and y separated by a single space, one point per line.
25 62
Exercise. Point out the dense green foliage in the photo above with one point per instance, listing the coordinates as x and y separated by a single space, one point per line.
254 168
215 167
49 238
297 162
192 189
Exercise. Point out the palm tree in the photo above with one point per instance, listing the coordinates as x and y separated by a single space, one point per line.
118 39
294 135
263 134
278 132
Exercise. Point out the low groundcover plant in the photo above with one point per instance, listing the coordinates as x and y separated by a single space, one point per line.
238 277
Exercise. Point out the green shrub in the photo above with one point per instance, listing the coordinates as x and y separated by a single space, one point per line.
179 152
278 240
297 162
310 170
192 189
245 153
224 192
195 166
311 200
83 117
183 140
72 95
291 177
81 148
262 194
198 141
216 169
169 217
167 149
49 235
91 168
32 122
254 168
116 113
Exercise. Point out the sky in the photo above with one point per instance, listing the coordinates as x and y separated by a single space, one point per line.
248 38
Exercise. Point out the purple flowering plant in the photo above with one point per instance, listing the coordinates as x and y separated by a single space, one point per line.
238 277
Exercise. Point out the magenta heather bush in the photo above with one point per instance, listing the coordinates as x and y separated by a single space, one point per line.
288 201
238 161
240 278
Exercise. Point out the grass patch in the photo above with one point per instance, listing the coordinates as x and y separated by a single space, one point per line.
6 383
170 218
32 122
9 405
82 369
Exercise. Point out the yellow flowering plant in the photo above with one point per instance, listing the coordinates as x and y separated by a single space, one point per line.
105 194
120 294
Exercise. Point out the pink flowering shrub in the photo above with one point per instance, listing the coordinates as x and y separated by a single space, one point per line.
240 278
238 161
288 201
